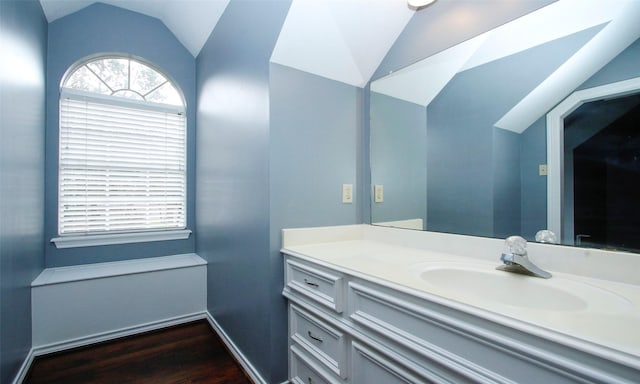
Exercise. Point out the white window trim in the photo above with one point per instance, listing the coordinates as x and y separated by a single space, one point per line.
119 101
74 241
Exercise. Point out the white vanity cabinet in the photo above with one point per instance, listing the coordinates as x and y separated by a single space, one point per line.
347 328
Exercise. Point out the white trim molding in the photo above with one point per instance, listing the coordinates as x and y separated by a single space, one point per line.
116 334
24 368
119 238
236 352
555 141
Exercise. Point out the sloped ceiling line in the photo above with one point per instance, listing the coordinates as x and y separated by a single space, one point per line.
430 75
622 30
340 40
191 21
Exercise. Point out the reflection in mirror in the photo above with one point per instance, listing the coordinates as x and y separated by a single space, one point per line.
602 174
459 140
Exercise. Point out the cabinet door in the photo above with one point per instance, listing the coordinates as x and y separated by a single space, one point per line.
371 367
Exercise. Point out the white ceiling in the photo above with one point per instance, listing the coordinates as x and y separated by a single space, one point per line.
340 40
343 40
191 21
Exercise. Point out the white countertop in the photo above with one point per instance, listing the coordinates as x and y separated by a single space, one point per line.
602 319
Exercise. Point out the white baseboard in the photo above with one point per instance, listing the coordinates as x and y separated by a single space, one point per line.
111 335
24 368
239 356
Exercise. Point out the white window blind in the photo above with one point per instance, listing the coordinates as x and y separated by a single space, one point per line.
122 167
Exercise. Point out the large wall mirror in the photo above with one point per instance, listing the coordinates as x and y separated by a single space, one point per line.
533 125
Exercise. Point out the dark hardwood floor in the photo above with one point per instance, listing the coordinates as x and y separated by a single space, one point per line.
188 353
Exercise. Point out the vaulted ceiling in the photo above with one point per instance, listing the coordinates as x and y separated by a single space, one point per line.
343 40
191 21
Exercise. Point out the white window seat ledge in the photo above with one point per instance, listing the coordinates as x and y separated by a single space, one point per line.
61 275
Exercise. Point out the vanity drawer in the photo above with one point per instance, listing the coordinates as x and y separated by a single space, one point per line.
321 286
305 371
322 341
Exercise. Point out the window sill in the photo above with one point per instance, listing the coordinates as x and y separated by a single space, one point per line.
119 238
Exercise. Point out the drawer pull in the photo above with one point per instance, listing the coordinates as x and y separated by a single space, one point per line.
314 337
310 283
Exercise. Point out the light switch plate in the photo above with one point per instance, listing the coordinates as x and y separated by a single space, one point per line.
347 193
542 169
378 193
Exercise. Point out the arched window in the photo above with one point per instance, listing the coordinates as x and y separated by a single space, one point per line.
122 159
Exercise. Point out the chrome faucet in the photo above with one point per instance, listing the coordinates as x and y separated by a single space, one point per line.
516 261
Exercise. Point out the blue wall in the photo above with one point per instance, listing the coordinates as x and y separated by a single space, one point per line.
23 32
623 67
533 190
315 147
466 152
398 158
315 144
506 183
232 229
96 29
459 153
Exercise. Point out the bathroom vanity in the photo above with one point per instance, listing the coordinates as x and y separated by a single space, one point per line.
375 305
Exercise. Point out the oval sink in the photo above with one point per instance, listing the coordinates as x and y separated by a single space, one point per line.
486 285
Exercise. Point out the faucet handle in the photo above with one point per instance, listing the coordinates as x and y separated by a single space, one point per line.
516 245
546 236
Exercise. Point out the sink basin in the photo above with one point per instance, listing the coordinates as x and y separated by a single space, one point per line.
483 284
